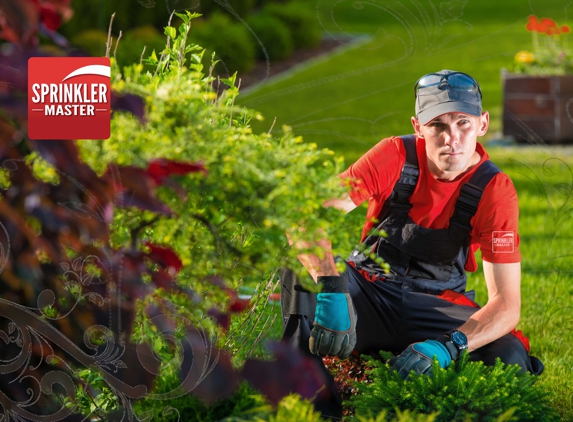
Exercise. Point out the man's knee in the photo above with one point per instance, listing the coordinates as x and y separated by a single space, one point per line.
510 350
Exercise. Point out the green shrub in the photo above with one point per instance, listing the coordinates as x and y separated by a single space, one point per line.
301 21
134 40
231 42
91 41
273 34
261 3
465 391
96 14
231 223
240 7
189 408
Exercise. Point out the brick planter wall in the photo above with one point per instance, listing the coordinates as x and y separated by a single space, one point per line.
538 108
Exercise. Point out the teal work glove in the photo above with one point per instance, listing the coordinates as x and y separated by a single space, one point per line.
334 331
418 357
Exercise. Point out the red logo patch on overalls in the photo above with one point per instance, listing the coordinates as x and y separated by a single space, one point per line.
503 242
68 98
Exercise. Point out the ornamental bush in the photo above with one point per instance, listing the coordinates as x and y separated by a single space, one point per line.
91 41
258 186
114 273
273 34
231 224
133 41
299 18
231 41
240 7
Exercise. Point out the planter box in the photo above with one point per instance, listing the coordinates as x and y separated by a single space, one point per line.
538 109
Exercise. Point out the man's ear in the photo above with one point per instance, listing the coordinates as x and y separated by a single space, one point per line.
417 125
484 123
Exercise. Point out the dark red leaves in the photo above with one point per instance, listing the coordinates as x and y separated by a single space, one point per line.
134 187
206 372
219 381
291 372
63 155
239 305
53 12
164 257
133 104
20 20
222 319
161 168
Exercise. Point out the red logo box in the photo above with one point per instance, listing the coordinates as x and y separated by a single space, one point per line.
68 98
503 241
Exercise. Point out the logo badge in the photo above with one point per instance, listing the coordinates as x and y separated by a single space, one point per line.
68 98
503 241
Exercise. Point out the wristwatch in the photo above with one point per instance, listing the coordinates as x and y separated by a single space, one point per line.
459 340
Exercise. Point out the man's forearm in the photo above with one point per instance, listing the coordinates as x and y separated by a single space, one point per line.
319 266
501 313
323 265
316 265
494 320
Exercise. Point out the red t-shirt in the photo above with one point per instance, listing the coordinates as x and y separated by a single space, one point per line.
374 175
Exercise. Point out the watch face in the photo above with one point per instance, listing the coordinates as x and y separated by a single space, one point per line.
459 339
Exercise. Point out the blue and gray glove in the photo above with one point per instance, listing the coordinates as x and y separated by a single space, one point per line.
418 357
334 331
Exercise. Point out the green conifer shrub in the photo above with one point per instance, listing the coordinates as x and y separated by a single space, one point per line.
466 391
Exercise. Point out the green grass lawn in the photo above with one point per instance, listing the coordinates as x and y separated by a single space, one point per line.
350 101
543 178
356 98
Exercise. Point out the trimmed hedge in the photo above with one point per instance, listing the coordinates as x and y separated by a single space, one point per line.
273 34
241 7
300 20
91 41
232 43
280 27
132 43
96 14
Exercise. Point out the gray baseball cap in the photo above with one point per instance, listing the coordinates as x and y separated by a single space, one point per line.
446 91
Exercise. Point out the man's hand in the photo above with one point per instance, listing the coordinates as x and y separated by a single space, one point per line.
418 357
334 331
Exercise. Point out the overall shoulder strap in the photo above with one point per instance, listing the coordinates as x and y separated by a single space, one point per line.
470 195
404 187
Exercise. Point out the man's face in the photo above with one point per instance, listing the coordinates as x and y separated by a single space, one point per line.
451 142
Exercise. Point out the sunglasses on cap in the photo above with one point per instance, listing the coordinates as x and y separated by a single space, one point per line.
456 80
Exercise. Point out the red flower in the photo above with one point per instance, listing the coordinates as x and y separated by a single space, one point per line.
532 24
548 22
545 26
